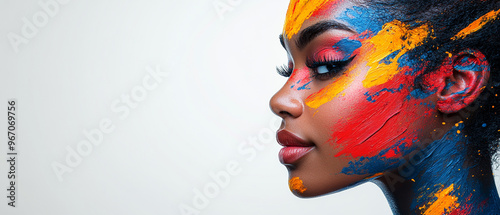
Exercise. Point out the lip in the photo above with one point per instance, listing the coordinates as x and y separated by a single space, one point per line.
294 147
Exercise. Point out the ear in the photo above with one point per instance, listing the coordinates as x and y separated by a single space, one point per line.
461 78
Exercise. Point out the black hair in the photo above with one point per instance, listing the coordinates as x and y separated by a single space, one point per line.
447 18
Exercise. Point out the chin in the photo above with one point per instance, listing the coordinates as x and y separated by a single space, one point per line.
311 185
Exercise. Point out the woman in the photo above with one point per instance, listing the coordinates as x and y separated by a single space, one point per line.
398 92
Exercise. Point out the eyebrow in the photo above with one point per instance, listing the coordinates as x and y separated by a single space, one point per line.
313 31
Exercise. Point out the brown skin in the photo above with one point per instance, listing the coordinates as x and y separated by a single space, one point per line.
320 170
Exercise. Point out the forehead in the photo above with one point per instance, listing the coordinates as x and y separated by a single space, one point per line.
361 18
299 11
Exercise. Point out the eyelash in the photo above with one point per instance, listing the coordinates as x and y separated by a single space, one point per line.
337 66
334 66
284 70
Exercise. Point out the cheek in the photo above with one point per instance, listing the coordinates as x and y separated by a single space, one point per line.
375 124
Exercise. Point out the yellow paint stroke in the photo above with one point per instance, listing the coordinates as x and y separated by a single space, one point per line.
444 203
329 92
477 24
394 36
296 184
298 12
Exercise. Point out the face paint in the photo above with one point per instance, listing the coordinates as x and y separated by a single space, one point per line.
300 80
388 158
331 91
364 19
393 41
349 47
382 53
373 140
371 117
296 184
374 128
379 133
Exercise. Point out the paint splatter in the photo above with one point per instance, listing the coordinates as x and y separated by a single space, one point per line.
477 24
445 202
296 184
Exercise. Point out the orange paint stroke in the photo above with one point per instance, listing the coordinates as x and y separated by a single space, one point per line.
445 202
296 184
477 24
298 12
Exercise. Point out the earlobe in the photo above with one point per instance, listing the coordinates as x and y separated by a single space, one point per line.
462 78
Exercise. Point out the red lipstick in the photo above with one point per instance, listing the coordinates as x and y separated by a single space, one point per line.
294 147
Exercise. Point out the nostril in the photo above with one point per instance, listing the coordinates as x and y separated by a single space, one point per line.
286 113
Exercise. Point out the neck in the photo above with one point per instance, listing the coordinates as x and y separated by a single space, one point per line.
441 180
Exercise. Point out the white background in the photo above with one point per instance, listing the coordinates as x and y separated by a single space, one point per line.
215 101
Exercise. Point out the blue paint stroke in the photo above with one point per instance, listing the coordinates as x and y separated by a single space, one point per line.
304 87
363 19
347 46
295 84
388 60
390 90
420 94
378 163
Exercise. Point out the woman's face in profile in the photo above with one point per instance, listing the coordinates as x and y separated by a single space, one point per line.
350 109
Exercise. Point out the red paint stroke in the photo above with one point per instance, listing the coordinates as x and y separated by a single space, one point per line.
378 125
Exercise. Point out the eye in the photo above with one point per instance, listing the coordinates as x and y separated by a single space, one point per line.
325 68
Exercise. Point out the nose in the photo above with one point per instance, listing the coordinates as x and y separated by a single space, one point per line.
287 102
